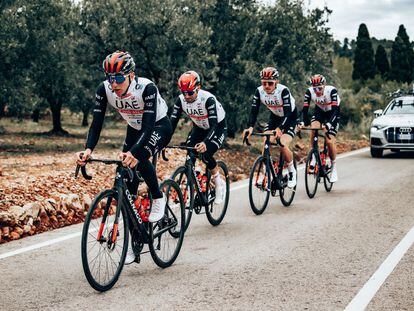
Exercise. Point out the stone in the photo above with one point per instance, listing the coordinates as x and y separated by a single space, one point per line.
26 228
18 212
5 232
14 236
87 201
32 209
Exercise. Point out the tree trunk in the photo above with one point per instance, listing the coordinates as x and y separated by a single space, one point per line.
56 108
85 118
36 115
3 107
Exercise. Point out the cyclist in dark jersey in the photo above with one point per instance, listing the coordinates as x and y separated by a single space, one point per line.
149 129
278 99
209 123
326 112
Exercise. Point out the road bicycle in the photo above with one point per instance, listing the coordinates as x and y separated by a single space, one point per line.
269 176
198 187
318 165
115 215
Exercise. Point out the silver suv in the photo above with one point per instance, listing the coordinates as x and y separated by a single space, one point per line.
393 127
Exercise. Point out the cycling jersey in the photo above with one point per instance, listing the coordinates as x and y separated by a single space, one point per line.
142 106
205 112
327 102
280 102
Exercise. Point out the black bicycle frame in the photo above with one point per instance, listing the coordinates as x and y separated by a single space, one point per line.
315 149
122 175
189 164
277 177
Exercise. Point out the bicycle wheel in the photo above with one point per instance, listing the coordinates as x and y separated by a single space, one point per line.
104 243
328 171
216 212
311 175
180 176
166 235
287 194
259 181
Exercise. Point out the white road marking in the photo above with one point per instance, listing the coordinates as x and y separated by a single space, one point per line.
39 245
365 295
242 184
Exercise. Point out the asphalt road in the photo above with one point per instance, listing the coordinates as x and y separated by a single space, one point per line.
315 255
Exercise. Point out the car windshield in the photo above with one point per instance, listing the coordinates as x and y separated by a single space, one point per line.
399 106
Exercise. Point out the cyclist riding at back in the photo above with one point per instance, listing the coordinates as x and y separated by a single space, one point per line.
278 99
138 101
326 112
209 123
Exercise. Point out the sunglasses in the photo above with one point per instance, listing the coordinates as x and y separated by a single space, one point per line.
118 78
189 93
318 88
269 83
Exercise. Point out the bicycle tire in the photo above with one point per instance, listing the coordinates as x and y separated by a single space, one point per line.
287 201
314 176
259 164
212 207
189 187
158 232
108 246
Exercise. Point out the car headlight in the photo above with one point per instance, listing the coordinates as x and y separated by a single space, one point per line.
378 126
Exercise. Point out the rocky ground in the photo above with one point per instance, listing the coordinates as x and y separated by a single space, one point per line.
39 192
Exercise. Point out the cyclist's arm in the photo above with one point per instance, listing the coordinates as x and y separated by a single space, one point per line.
254 109
148 119
305 110
101 103
176 114
335 106
287 108
212 118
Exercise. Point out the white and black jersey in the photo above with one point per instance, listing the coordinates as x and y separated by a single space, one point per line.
206 112
142 106
280 102
325 104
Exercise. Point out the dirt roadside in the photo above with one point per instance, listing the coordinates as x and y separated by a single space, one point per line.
39 193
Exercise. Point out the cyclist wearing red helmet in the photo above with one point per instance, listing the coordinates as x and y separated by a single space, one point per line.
278 99
149 129
209 123
326 112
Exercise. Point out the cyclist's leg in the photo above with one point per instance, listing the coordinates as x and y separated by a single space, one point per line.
196 135
160 137
130 140
213 144
316 122
286 139
331 139
331 142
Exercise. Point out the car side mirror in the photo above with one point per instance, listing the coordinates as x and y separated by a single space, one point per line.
378 113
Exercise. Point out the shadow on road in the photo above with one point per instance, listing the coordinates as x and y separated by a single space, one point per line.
399 155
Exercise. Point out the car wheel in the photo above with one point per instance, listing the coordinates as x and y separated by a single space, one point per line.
376 152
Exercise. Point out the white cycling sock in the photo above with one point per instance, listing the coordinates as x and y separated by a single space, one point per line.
216 177
291 167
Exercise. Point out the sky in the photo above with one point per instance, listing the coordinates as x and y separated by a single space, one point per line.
382 17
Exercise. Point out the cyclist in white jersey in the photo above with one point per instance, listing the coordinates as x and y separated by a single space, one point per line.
326 112
278 99
149 129
209 123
